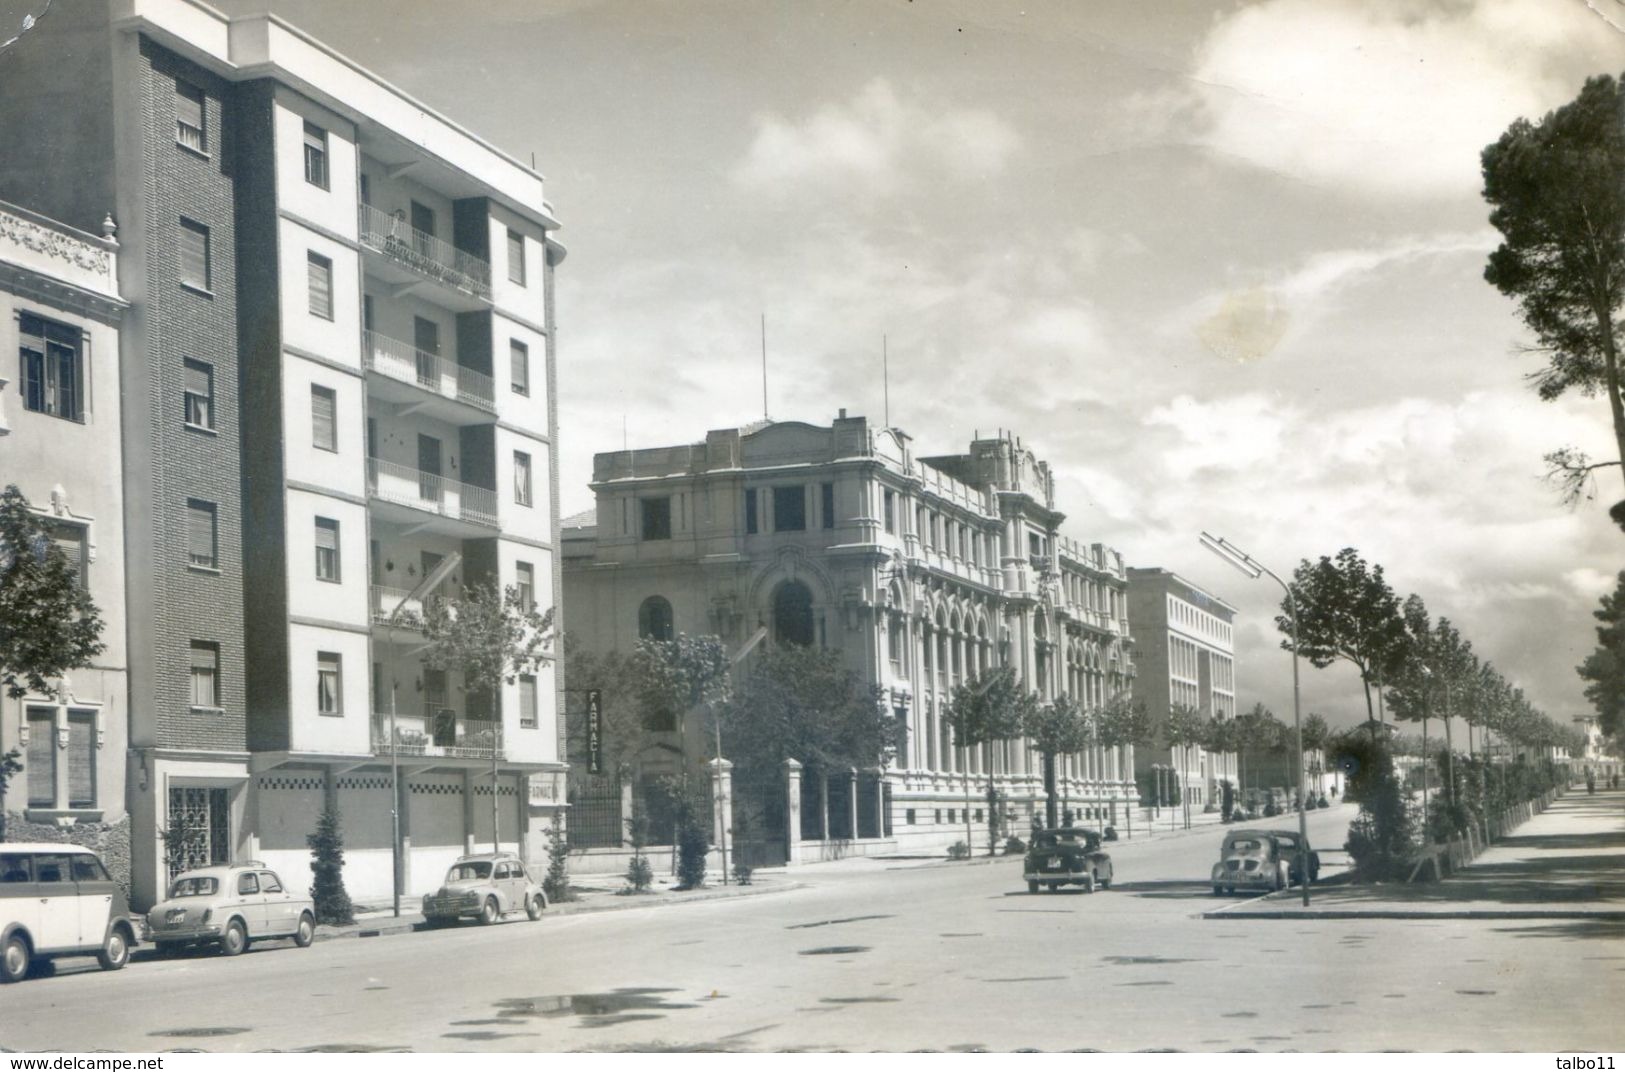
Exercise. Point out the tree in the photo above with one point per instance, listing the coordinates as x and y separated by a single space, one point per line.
1345 611
491 636
675 676
48 623
1559 204
1257 730
1315 733
556 884
1056 729
327 861
1184 727
989 709
1604 669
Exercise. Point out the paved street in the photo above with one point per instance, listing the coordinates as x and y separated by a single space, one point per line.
870 955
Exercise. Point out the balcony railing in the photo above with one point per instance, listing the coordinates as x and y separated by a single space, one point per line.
431 492
425 254
404 362
386 600
443 733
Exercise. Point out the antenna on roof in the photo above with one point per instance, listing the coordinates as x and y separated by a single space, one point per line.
764 366
885 380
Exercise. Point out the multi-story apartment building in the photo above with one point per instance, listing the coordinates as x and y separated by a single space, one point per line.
924 572
60 442
1598 755
338 370
1184 648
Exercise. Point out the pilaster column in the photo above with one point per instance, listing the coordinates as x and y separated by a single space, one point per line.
792 812
722 808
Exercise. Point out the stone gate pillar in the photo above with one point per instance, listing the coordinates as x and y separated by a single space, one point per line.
722 800
852 803
792 812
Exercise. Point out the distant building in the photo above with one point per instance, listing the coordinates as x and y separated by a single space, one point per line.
327 389
923 571
1598 754
61 444
1184 653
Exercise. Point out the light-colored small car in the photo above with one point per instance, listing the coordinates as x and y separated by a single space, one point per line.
59 901
230 905
486 887
1260 859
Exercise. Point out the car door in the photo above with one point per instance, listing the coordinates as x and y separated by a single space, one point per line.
19 895
59 903
281 910
249 902
95 890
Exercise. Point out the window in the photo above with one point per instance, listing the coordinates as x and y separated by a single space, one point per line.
656 517
194 254
519 362
202 540
889 511
527 701
315 155
655 619
319 269
324 432
81 759
329 683
41 758
190 130
828 505
521 478
516 258
205 675
750 511
52 371
197 385
70 540
525 581
789 509
327 549
248 882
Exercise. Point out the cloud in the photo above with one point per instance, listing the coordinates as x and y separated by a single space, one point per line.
874 139
1387 99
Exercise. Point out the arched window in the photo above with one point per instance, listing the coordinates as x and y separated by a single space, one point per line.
654 619
793 614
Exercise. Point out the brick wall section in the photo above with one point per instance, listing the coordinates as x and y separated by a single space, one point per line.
189 604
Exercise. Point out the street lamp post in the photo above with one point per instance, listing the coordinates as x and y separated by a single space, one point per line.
1240 560
430 582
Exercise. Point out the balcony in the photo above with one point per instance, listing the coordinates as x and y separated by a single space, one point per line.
444 735
385 602
410 493
462 278
418 380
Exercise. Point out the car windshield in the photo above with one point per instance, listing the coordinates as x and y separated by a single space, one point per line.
463 872
194 886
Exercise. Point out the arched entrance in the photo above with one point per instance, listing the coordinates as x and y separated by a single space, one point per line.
793 614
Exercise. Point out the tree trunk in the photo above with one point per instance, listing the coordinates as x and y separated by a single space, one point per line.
1610 357
1051 819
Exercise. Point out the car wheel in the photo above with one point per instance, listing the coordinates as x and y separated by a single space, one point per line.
534 908
306 934
14 959
1089 883
1032 887
1106 880
489 913
115 951
1218 891
235 940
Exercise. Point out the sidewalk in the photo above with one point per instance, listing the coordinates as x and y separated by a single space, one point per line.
1566 863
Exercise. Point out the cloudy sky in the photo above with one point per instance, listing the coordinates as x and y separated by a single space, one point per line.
1220 264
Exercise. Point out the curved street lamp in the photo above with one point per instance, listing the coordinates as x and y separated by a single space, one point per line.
1244 562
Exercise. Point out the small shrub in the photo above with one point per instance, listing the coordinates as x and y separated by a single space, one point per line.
327 861
1014 846
959 851
1271 810
1110 834
1323 802
742 872
639 875
693 843
556 884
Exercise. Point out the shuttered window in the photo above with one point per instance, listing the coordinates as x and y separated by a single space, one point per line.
201 534
521 478
205 674
81 759
320 271
329 683
41 759
52 367
70 540
194 254
519 363
324 418
516 257
327 549
189 128
198 387
315 155
527 701
525 578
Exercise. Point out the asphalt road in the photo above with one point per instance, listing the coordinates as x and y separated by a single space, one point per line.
876 957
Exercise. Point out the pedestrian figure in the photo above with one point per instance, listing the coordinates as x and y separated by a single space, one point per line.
1591 781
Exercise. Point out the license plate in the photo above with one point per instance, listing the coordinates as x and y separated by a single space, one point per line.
175 915
1054 861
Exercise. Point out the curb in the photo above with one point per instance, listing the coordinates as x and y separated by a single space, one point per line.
1605 914
409 923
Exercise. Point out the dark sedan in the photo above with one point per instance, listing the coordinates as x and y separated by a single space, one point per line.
1065 856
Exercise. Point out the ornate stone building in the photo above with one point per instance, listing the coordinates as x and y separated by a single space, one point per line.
923 571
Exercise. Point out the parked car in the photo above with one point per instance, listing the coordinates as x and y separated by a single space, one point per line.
1259 859
229 906
486 887
59 901
1067 855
